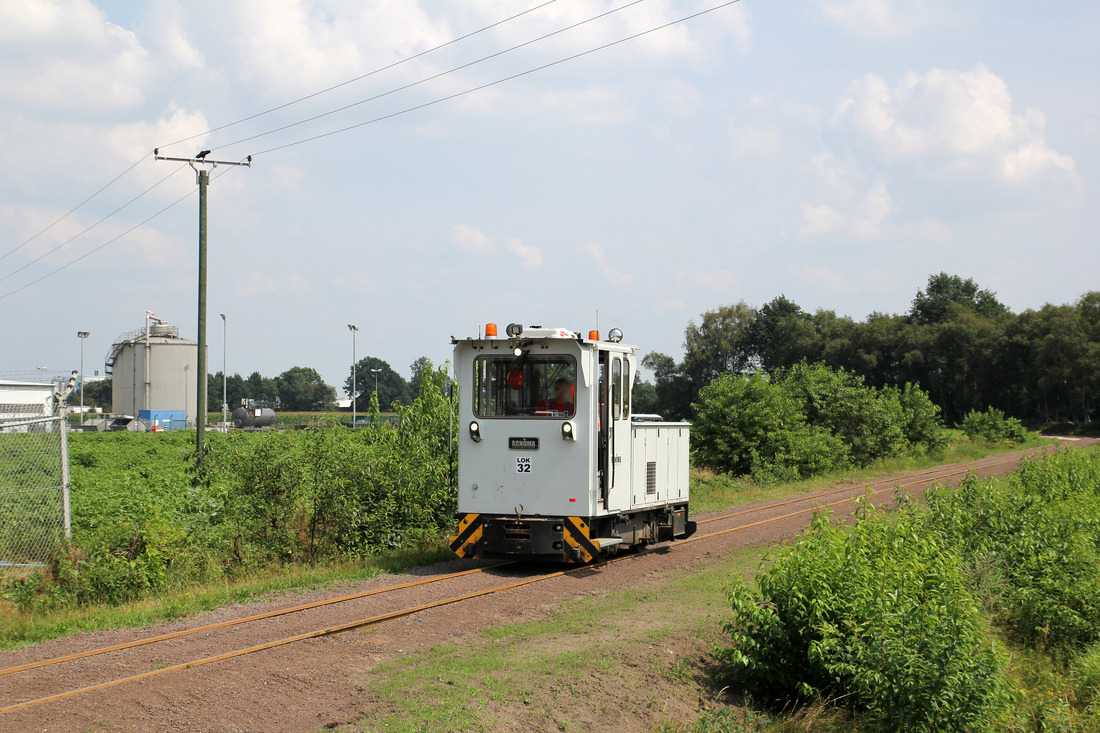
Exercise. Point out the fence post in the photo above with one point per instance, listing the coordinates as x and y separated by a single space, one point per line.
63 428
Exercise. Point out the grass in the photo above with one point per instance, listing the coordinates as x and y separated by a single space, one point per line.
585 663
18 630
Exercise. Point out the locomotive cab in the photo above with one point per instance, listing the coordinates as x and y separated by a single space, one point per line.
551 465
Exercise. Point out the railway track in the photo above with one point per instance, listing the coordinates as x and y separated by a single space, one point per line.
814 502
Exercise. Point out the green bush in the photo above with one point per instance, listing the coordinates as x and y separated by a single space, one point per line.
1038 535
747 424
875 614
807 420
868 421
993 427
143 518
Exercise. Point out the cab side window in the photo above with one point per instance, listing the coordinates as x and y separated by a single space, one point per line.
626 390
617 389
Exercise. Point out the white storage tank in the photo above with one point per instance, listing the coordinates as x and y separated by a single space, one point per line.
153 376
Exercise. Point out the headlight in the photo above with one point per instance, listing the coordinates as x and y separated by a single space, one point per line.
567 432
515 330
475 431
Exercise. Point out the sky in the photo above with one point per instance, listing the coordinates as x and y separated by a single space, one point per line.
837 152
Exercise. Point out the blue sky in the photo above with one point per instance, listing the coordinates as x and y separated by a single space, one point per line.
835 151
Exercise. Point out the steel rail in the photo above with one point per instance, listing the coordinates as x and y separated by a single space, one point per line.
235 622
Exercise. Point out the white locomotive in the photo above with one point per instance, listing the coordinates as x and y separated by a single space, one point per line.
551 465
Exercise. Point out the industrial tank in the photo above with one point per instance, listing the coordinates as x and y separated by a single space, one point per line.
253 417
153 374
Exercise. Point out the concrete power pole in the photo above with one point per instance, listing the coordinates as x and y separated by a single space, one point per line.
203 175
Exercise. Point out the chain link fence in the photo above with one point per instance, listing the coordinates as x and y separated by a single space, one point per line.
34 487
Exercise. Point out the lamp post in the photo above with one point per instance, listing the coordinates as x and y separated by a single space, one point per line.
225 392
375 373
82 335
354 329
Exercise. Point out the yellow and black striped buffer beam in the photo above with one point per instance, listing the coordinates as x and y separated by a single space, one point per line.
576 534
470 528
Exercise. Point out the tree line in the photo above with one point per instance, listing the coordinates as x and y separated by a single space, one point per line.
958 342
299 389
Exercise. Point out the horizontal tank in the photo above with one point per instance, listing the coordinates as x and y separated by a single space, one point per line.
253 417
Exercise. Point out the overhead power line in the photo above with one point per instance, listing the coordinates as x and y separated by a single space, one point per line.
87 229
114 180
426 79
73 210
498 81
113 239
390 116
379 70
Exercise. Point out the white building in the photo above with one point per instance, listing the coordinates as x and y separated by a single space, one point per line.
22 400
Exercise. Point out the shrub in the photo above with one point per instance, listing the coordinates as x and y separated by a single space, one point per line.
807 420
746 424
993 427
921 421
868 421
1040 533
876 614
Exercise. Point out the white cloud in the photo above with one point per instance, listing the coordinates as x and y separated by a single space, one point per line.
294 46
960 119
257 283
868 218
682 98
65 55
833 281
715 280
885 19
671 303
820 219
531 256
595 251
472 240
755 139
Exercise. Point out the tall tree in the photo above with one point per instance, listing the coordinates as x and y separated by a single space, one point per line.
301 388
416 372
392 387
673 389
932 305
717 345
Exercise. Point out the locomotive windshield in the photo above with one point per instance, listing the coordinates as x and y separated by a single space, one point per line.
525 386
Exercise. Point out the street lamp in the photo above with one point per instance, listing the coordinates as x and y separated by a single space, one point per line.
225 405
354 329
375 373
82 335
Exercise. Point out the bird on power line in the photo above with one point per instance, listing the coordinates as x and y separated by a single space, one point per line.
202 155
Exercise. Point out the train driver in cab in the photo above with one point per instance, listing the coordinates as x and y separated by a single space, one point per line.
561 403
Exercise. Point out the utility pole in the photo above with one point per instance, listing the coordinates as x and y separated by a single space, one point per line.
225 377
82 335
354 330
203 176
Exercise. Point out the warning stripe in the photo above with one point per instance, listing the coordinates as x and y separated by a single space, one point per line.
470 526
576 534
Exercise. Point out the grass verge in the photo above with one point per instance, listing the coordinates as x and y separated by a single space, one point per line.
630 654
18 629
